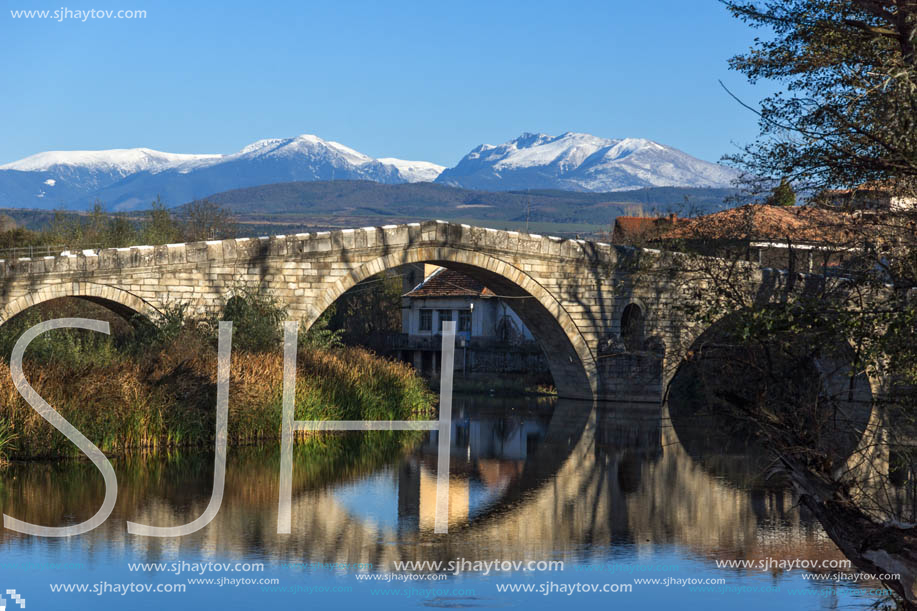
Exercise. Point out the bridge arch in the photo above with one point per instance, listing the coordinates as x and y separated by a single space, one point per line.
118 300
569 357
693 392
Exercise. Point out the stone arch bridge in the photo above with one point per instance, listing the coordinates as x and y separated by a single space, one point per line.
572 294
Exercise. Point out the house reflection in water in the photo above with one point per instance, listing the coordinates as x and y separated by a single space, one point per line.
488 455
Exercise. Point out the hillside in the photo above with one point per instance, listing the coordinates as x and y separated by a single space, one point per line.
356 203
309 206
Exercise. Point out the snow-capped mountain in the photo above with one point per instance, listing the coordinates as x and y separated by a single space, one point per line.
582 162
127 179
414 171
130 178
122 161
61 176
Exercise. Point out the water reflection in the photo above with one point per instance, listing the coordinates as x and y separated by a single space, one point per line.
529 479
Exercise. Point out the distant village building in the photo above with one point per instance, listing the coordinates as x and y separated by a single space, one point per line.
878 196
490 336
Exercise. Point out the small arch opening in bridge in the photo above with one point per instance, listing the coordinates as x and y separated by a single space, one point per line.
113 300
633 327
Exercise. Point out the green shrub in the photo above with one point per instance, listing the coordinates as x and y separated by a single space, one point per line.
153 335
320 336
76 347
256 316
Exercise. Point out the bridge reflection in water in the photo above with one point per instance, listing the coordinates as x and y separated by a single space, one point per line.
527 482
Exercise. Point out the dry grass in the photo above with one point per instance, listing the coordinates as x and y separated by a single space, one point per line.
168 398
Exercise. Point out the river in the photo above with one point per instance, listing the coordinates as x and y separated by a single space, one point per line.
613 493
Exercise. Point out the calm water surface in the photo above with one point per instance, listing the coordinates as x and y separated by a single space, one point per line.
615 492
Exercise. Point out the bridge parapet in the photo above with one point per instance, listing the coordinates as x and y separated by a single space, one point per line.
386 237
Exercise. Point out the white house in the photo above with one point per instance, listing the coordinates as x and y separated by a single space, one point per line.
446 294
486 326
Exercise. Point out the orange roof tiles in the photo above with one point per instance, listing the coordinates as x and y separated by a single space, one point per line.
763 222
631 229
450 283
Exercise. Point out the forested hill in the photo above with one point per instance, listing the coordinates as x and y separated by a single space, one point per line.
340 201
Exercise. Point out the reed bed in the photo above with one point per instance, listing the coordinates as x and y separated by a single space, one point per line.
166 397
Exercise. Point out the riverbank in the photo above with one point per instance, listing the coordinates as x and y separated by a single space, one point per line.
135 393
170 399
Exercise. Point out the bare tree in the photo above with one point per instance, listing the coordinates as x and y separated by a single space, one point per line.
205 220
817 361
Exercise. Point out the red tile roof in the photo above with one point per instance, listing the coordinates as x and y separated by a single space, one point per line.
763 222
639 229
450 283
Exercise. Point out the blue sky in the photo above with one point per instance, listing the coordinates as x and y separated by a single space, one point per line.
416 80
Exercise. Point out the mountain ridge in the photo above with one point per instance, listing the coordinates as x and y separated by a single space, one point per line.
128 179
582 162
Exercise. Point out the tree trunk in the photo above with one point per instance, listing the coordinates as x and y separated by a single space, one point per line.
872 547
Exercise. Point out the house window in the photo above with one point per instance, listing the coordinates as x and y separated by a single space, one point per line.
426 320
464 321
444 315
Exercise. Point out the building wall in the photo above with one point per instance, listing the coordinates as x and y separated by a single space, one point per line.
486 316
871 200
804 258
483 350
